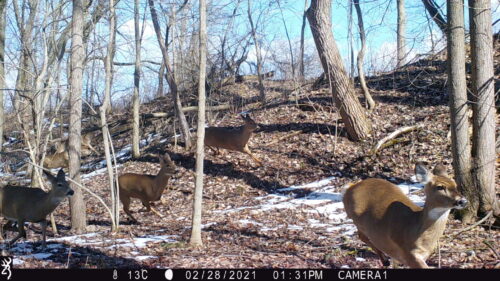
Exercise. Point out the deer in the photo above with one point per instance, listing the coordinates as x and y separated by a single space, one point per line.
232 139
392 225
60 159
22 204
86 145
147 188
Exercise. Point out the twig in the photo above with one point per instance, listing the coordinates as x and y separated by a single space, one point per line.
472 226
285 137
392 135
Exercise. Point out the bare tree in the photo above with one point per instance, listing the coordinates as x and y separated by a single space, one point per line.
302 29
370 103
483 143
137 78
198 193
401 33
108 65
288 39
457 89
3 22
77 204
357 125
433 10
170 77
253 31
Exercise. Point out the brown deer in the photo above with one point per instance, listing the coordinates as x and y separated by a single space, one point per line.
60 159
391 224
22 204
86 145
147 188
232 139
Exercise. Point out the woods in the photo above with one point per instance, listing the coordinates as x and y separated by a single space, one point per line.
229 134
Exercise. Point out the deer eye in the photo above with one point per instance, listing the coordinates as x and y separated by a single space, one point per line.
440 187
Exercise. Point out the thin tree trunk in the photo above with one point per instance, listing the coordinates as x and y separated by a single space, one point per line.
357 125
2 69
483 145
370 103
435 14
170 78
108 65
257 51
289 41
457 89
137 76
302 31
161 76
198 193
77 204
401 33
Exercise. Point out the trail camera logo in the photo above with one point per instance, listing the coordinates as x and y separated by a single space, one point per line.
6 263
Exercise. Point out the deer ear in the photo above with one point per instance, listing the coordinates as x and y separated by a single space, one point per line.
166 158
423 175
50 177
60 174
440 170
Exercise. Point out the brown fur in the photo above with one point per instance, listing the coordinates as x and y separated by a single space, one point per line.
23 204
236 139
60 159
147 188
390 223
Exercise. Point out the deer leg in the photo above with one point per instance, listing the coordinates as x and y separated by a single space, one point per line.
22 233
414 261
43 224
383 258
126 205
147 204
247 151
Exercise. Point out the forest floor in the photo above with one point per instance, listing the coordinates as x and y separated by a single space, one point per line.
286 213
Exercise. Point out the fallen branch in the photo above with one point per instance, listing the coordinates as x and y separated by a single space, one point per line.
284 138
380 144
472 226
185 110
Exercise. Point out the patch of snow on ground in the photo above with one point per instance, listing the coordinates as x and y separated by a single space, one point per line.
324 199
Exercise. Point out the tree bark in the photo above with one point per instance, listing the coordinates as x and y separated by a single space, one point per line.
253 31
77 204
302 31
370 103
401 33
357 125
137 78
171 78
2 68
457 90
435 14
484 119
198 193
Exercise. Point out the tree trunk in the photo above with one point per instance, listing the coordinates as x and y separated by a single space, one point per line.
457 90
484 119
370 103
170 78
77 204
2 69
161 76
302 29
262 90
292 60
137 76
435 14
357 125
401 33
103 110
198 193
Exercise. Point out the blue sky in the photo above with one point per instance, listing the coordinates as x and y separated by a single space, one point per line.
379 17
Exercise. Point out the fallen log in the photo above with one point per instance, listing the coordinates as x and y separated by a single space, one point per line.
381 143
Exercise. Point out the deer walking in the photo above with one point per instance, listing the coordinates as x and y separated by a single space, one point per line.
147 188
60 159
392 225
232 139
22 204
